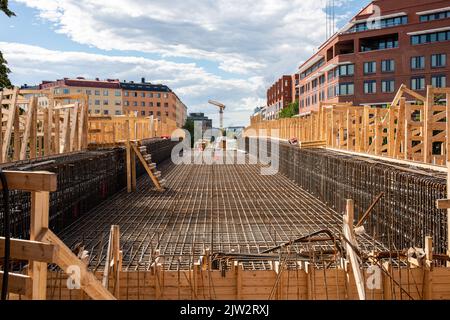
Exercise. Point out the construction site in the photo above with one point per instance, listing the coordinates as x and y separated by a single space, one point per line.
354 208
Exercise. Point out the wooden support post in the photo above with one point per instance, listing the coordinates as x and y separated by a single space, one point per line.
28 125
46 133
9 126
133 170
387 282
57 145
128 161
40 201
33 133
239 269
428 269
16 151
51 142
351 254
66 131
427 120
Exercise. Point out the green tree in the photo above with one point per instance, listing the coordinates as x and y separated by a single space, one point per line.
290 111
189 126
4 70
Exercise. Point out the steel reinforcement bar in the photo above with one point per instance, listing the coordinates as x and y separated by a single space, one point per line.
405 214
85 179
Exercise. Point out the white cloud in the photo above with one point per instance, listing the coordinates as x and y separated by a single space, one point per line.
194 85
251 43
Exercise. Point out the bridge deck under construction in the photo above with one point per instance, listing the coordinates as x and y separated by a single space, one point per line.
230 208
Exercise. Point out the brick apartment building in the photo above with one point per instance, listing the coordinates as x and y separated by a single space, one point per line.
105 96
366 61
156 100
279 96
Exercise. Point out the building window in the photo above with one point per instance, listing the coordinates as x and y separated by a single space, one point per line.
158 113
430 37
387 86
142 113
105 102
370 86
142 94
118 113
346 89
379 24
166 95
97 102
322 79
97 111
167 114
126 103
418 83
126 94
439 81
158 104
151 104
166 105
135 104
370 67
151 113
66 91
105 112
142 103
388 65
150 95
346 70
417 63
97 92
135 94
105 93
438 60
435 16
372 44
117 102
330 75
117 93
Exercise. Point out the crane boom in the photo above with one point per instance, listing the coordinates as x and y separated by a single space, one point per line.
221 108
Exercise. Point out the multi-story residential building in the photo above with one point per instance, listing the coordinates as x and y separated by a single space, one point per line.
105 96
386 44
204 122
156 100
279 96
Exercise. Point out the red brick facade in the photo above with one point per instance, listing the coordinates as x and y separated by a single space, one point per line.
366 64
279 96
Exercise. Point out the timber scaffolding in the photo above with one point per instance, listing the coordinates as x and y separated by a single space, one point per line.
38 123
228 232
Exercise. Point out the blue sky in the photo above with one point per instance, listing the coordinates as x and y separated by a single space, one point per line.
229 51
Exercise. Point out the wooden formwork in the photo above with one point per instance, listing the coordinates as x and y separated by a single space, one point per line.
238 284
110 130
405 130
31 131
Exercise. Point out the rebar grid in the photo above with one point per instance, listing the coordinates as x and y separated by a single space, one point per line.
226 208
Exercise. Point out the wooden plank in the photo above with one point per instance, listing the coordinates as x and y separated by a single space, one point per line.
17 283
40 202
33 132
31 180
66 131
9 126
57 145
28 129
66 258
30 250
17 140
443 203
348 233
46 133
414 94
146 167
73 130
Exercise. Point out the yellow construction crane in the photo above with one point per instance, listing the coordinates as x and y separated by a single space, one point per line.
221 108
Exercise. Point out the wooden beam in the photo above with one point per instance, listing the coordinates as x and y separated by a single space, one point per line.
28 128
40 202
30 250
9 126
17 283
351 254
66 258
31 180
414 94
443 203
